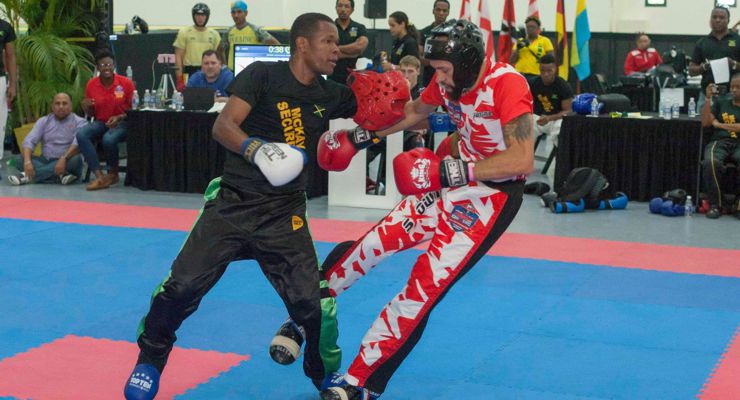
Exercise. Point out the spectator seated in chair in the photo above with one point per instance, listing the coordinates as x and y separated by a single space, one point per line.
212 75
107 97
722 113
60 161
553 99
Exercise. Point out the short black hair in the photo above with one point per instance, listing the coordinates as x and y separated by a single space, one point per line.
723 8
547 59
104 53
305 25
351 4
533 18
440 1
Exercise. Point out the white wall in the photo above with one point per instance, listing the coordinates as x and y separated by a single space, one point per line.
626 16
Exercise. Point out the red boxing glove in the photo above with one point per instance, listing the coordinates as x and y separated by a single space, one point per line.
181 83
420 171
336 149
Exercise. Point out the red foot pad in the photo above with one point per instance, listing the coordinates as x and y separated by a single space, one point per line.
725 379
81 368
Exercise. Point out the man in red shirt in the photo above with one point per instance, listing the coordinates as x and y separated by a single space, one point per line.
643 57
107 97
479 193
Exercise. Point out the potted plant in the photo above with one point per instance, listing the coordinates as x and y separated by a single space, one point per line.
48 62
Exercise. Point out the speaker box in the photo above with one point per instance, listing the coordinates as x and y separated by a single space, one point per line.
376 8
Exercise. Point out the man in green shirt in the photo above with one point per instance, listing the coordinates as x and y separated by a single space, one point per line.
243 32
723 114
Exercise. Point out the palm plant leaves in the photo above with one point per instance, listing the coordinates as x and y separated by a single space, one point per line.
50 65
47 64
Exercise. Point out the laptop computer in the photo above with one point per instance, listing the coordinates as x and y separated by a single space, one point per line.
198 98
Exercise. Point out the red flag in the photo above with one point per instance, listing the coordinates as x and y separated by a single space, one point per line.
485 25
465 10
533 10
505 37
561 48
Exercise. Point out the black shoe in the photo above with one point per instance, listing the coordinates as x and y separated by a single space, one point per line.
286 345
348 392
714 213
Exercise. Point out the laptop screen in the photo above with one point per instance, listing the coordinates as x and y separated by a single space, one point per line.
245 54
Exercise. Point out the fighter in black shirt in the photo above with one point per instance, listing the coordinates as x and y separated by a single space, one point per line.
257 210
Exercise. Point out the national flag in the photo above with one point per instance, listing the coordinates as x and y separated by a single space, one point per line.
533 10
465 10
505 37
580 59
485 25
561 49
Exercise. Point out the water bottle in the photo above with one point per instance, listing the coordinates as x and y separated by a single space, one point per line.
675 111
135 100
130 73
692 108
660 109
688 207
147 99
594 108
666 110
175 100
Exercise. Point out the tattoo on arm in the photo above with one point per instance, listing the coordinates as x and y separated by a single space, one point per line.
520 129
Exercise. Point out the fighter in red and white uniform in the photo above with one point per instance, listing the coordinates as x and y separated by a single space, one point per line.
460 206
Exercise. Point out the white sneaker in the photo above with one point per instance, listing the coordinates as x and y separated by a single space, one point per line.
17 180
69 178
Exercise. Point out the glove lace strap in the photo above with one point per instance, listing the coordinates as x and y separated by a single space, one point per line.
453 173
363 138
249 148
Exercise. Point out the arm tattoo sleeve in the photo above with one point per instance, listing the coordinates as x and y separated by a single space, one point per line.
520 128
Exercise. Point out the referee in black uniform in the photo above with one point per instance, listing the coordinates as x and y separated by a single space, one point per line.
254 211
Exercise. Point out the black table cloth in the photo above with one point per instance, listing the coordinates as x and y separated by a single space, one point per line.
641 157
174 152
648 98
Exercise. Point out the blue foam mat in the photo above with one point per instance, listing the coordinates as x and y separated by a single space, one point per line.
512 328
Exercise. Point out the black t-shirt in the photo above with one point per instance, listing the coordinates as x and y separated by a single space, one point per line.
406 46
354 31
709 48
428 71
547 99
7 35
726 112
283 110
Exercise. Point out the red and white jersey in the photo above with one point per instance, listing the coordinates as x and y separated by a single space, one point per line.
641 60
481 113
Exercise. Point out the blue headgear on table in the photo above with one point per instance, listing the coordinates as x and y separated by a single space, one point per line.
582 103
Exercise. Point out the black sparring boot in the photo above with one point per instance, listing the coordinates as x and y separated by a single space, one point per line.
286 345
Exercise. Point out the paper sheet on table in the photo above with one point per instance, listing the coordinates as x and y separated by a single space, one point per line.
673 95
217 107
720 70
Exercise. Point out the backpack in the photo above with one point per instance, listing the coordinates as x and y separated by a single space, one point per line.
584 183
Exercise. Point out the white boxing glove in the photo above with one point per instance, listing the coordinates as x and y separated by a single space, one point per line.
280 163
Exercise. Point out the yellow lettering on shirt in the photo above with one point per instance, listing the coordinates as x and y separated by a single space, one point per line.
292 123
728 118
546 104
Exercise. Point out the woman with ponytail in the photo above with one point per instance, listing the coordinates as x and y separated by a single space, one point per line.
405 35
